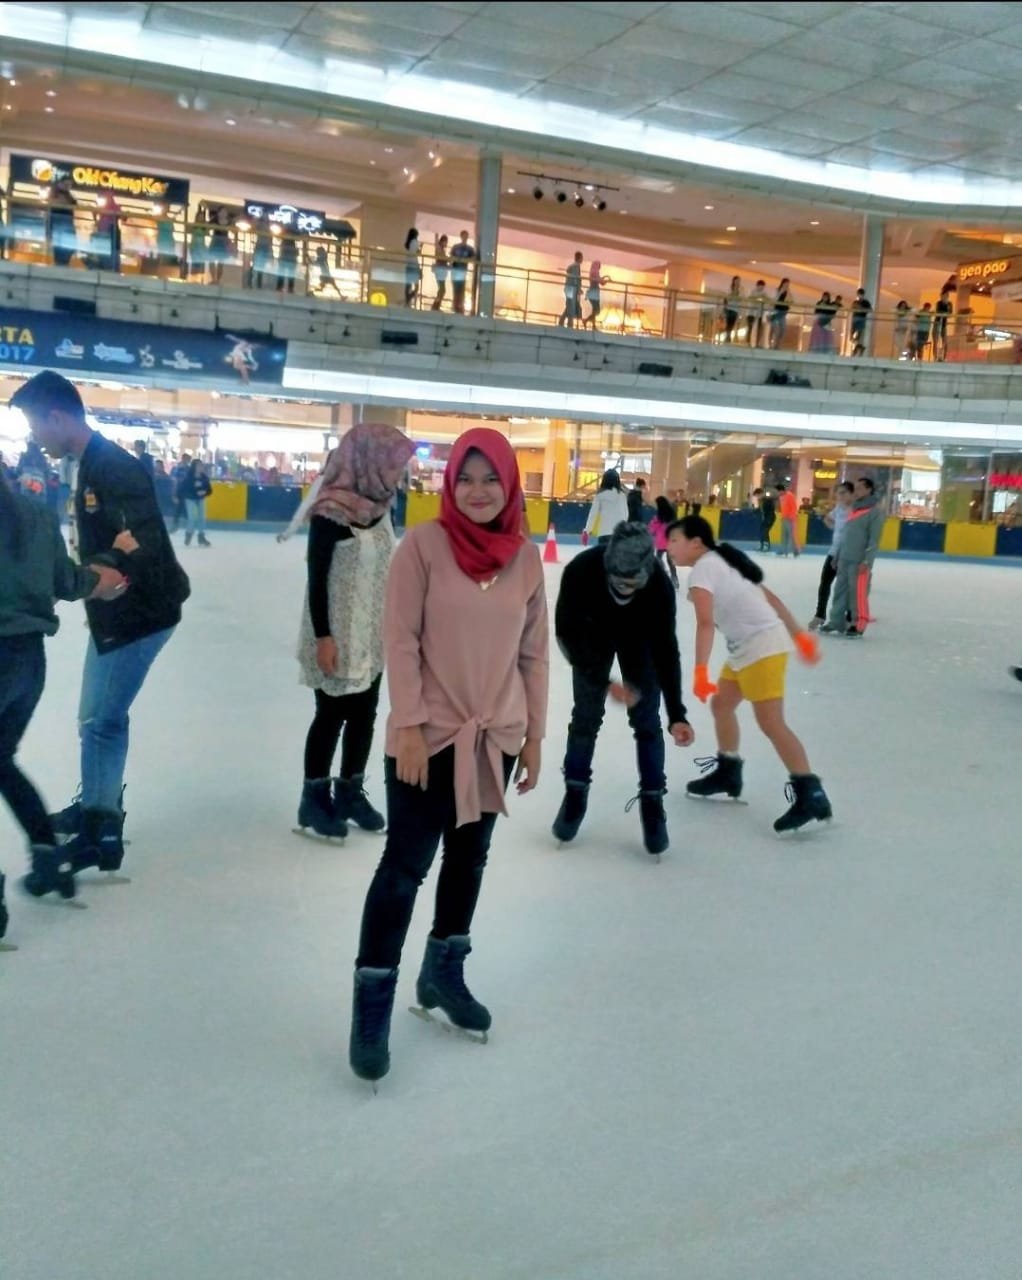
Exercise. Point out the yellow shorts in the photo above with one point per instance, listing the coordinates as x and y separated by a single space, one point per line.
760 681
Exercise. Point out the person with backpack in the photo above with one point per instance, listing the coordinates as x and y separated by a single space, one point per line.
726 591
36 570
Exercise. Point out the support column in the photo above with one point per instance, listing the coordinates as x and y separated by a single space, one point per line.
382 231
670 464
487 231
684 317
389 415
871 266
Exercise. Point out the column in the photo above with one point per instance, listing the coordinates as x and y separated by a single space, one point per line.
487 231
670 463
871 266
382 230
557 461
682 280
389 415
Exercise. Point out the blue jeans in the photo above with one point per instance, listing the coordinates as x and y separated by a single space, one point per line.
195 516
110 684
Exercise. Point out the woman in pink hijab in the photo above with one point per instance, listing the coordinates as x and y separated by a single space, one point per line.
340 646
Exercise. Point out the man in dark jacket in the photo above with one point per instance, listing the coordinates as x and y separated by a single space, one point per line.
616 602
113 494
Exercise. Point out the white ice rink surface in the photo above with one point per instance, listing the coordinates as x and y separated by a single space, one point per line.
756 1061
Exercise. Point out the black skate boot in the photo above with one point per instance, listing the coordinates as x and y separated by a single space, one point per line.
442 984
572 811
809 803
373 1003
351 804
1016 672
68 822
316 811
52 872
724 780
653 819
98 844
4 917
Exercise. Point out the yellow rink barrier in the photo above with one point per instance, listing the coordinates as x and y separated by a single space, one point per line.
962 539
421 507
228 502
891 534
712 517
537 511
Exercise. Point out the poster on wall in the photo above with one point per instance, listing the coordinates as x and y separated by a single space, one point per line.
120 348
41 171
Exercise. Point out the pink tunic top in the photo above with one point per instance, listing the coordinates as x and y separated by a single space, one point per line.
470 667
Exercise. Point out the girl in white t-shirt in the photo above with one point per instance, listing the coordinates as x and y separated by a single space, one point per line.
726 589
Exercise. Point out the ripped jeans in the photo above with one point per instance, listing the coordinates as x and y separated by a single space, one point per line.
110 684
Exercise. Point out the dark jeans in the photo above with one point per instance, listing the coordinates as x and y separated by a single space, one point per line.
827 577
416 822
22 676
355 713
590 692
764 533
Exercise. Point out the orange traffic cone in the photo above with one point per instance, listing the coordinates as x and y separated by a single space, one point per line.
550 550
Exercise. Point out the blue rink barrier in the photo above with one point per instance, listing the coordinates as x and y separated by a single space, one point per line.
921 535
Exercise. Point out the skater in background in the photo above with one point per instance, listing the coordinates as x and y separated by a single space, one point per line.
666 514
113 495
465 633
177 478
340 646
195 488
608 509
767 517
835 519
615 603
726 591
788 506
36 569
860 541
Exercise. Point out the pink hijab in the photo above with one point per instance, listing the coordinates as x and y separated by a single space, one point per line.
360 477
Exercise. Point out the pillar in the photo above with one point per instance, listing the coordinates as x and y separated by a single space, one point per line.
382 229
557 461
670 464
487 231
871 266
387 414
684 314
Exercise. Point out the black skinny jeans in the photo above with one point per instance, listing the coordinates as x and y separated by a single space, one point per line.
827 577
355 713
417 820
22 676
590 693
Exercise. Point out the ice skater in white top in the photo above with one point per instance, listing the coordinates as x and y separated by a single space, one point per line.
725 588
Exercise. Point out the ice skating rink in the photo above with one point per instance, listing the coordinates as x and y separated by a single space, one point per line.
756 1061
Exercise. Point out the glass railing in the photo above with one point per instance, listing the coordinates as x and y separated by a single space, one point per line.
268 260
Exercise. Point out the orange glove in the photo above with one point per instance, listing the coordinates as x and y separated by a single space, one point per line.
808 647
702 685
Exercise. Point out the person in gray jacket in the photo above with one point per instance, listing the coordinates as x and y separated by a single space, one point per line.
36 569
849 610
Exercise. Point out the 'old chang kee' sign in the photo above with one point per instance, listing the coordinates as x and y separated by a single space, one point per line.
43 172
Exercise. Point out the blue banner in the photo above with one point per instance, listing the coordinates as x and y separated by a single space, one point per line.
119 348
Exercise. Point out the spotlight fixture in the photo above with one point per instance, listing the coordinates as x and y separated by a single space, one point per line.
600 205
561 187
579 200
561 196
537 193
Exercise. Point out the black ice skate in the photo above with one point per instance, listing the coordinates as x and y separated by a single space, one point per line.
372 1005
316 813
4 917
441 985
98 844
653 819
68 821
809 803
351 804
52 872
1016 672
724 780
572 811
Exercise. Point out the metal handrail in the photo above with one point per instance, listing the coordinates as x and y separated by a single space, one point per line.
262 259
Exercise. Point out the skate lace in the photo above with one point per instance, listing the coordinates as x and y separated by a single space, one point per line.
705 763
643 795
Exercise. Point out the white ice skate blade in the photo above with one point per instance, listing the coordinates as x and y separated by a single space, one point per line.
476 1037
718 799
7 946
108 877
817 824
308 834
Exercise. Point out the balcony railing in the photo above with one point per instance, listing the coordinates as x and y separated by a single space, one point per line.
273 260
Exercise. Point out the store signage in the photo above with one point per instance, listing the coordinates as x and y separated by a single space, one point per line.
306 222
81 343
43 172
825 475
973 272
1005 480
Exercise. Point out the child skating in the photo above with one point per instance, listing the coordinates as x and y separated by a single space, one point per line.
726 591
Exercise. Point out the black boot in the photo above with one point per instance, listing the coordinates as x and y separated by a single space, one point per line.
4 916
52 872
1016 672
442 984
653 819
316 810
725 778
98 843
68 822
373 1003
352 804
572 811
809 803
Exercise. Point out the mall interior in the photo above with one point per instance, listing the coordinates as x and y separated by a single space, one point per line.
218 202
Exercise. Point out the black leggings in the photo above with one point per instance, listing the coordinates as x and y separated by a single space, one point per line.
355 713
827 576
22 676
416 822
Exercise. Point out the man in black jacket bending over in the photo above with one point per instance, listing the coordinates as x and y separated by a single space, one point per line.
114 494
617 602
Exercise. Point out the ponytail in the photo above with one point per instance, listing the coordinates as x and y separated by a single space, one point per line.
697 527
